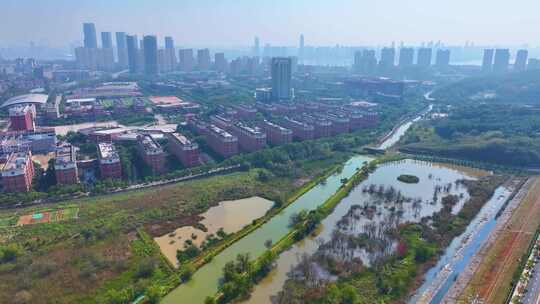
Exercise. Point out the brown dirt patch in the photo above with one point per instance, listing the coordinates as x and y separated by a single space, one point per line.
492 279
156 229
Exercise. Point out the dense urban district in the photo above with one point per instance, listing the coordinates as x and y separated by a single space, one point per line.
141 174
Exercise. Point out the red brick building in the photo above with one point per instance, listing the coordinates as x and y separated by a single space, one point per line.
21 118
186 151
310 107
221 141
301 130
286 108
266 108
65 165
322 127
151 153
340 123
109 161
223 122
218 139
17 172
198 126
361 119
250 139
275 134
245 112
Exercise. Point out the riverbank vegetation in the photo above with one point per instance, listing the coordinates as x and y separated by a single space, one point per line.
521 87
409 179
327 278
97 256
502 135
302 224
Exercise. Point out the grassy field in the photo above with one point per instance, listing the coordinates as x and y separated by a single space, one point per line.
492 280
108 252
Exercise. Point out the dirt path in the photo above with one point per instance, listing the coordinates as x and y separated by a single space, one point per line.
490 274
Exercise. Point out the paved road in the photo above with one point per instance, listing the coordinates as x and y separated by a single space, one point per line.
532 296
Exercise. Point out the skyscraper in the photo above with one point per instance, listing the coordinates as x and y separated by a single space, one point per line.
169 42
521 60
150 55
424 57
107 52
534 64
170 53
388 57
106 40
406 57
256 47
220 62
501 61
365 61
133 53
203 59
90 38
86 58
187 62
121 49
487 61
301 49
443 58
281 69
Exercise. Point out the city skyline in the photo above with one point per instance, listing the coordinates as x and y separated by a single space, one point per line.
218 23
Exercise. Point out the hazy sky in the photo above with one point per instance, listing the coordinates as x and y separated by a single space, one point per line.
279 22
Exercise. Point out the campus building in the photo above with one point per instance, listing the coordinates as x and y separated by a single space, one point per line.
250 139
221 141
276 134
322 126
340 123
21 118
151 153
186 151
301 130
245 111
65 165
109 161
17 172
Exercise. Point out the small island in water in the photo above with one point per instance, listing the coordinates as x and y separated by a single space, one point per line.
409 179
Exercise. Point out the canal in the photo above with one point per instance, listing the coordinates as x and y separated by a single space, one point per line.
205 280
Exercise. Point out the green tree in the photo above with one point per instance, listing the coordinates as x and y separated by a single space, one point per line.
186 272
153 294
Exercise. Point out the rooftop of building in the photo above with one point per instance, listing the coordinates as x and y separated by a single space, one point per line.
245 107
65 154
26 99
298 123
276 126
222 118
183 140
16 161
220 132
107 150
315 119
254 131
19 110
148 143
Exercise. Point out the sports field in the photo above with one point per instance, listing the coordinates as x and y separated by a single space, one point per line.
48 216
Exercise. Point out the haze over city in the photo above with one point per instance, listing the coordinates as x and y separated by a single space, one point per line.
270 151
234 23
